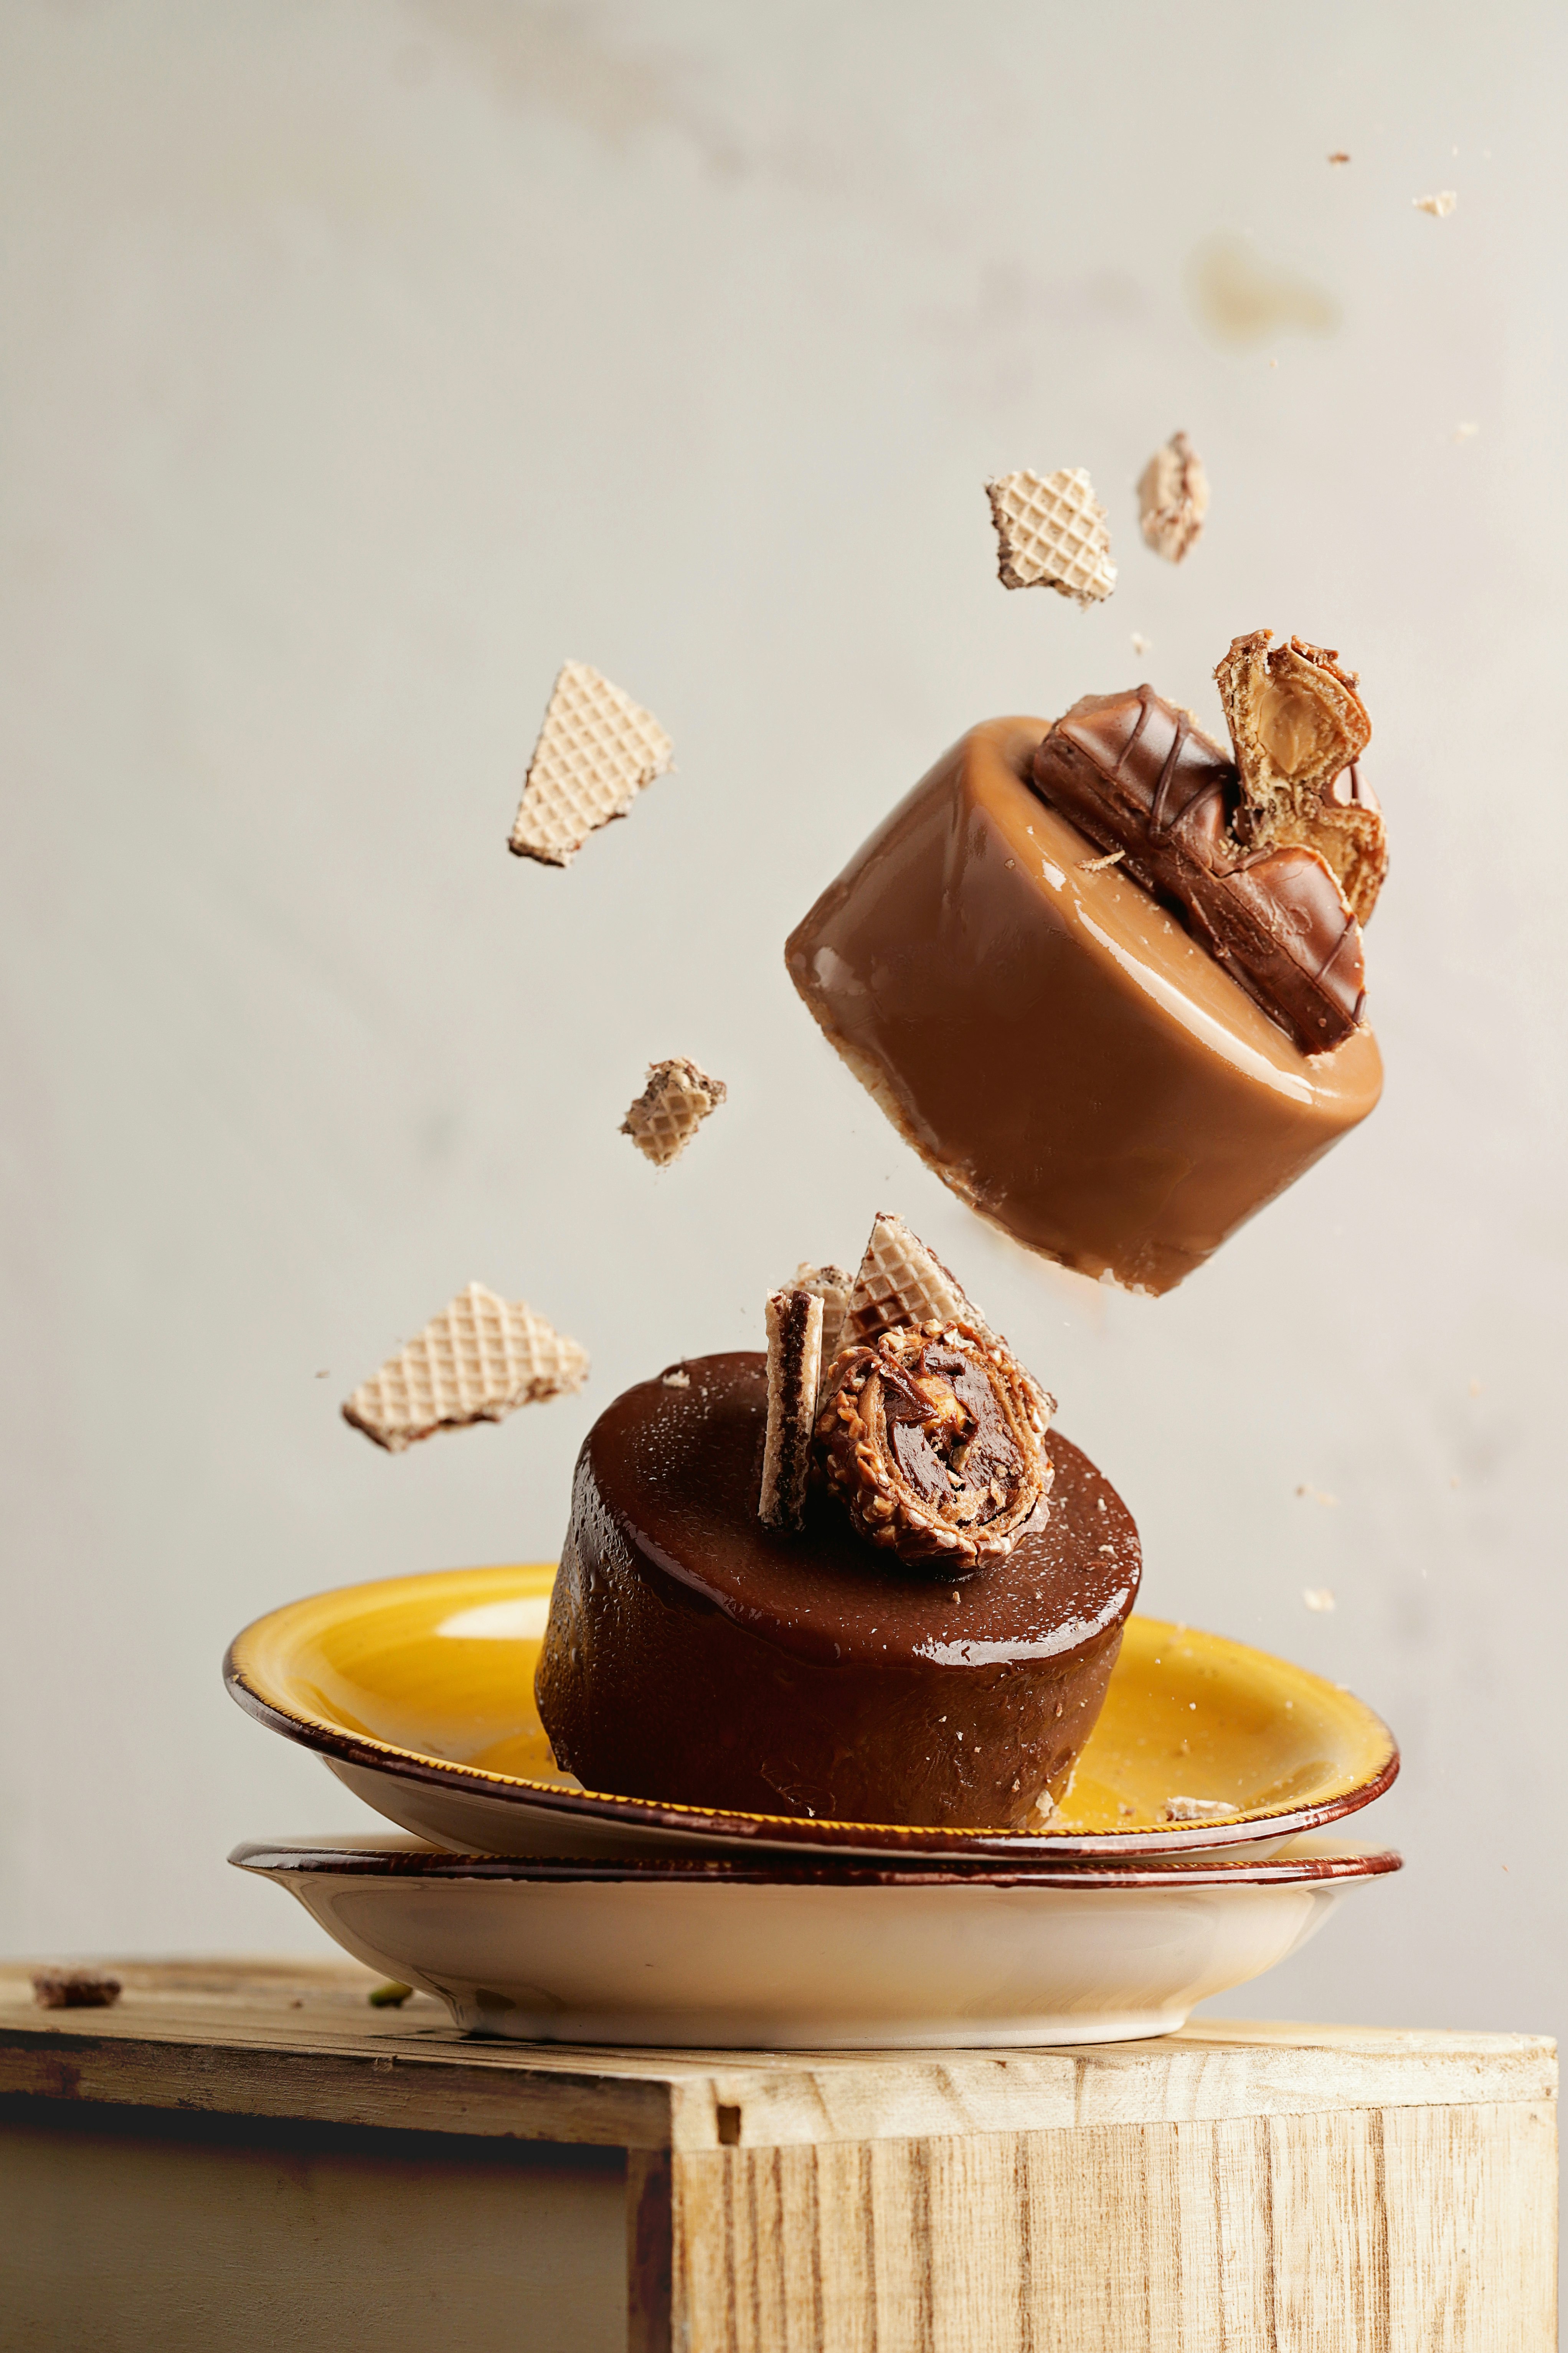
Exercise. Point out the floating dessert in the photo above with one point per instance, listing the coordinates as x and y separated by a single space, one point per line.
846 1578
1110 982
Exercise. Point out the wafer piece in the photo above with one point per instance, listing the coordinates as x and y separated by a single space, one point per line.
794 1367
903 1282
478 1360
596 752
1173 499
671 1109
1051 534
1299 727
832 1286
1440 205
1198 1810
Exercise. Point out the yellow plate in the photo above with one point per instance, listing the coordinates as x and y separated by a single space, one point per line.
419 1693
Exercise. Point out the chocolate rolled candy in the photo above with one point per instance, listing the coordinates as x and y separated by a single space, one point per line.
1053 1039
1135 774
697 1656
931 1438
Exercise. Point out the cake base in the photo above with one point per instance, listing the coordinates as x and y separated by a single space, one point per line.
695 1656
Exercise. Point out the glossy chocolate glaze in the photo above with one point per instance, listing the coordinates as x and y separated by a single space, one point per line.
1052 1040
696 1656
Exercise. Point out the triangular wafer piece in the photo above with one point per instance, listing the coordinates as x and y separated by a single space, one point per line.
671 1109
596 752
1051 534
478 1360
832 1286
794 1365
903 1282
1299 727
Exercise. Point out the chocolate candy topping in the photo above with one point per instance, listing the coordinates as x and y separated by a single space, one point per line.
1133 773
931 1438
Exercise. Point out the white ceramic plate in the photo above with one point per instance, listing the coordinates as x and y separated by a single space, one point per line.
755 1953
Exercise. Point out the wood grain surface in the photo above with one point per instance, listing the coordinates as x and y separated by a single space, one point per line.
275 2160
211 2035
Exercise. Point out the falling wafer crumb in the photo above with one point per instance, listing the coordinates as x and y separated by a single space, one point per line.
1140 644
671 1109
1465 431
1318 1596
1173 499
1440 205
1318 1495
1339 156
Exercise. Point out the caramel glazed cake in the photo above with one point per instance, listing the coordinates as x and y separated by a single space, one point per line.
846 1578
1107 981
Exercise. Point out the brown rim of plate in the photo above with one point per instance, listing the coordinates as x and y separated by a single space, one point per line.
427 1864
651 1814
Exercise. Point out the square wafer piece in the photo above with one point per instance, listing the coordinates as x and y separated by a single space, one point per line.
478 1360
671 1109
1051 532
794 1368
596 752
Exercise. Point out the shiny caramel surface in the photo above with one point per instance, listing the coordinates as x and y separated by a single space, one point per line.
1069 1058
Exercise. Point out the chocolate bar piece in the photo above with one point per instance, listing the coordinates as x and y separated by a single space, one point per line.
1135 774
1298 728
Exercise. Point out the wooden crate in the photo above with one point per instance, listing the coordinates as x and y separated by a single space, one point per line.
245 2155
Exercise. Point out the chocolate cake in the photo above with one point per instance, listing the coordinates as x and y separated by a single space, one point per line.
1106 985
696 1655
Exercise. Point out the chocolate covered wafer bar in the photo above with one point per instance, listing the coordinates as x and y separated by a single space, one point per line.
1298 728
1135 774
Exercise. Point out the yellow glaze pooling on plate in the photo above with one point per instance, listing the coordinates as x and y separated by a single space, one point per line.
441 1666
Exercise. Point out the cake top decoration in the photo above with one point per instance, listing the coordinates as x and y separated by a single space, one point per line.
921 1423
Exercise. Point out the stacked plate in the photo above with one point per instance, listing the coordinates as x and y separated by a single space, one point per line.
1182 1865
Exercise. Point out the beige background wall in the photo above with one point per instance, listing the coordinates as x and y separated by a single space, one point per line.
362 361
